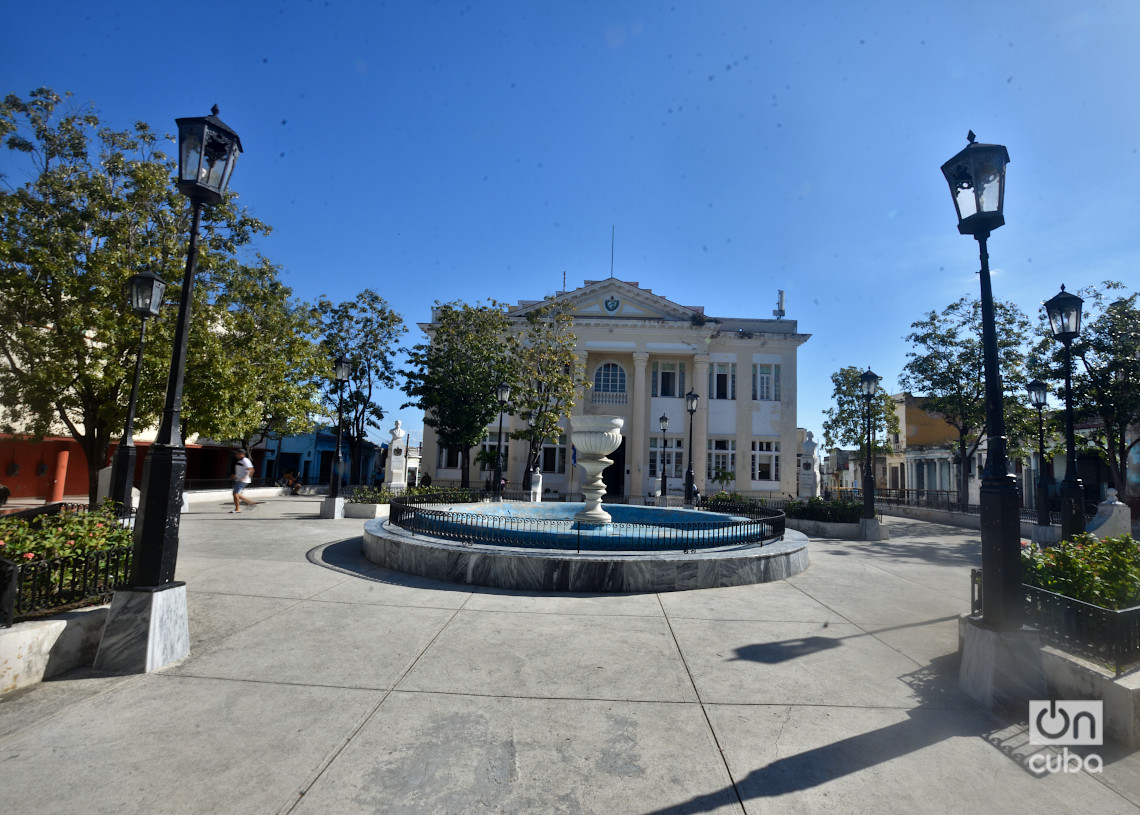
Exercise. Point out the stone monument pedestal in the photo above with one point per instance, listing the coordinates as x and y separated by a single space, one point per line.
1001 669
1113 518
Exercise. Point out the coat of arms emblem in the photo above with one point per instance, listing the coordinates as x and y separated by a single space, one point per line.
612 304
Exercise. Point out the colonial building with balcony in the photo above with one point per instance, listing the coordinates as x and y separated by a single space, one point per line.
642 353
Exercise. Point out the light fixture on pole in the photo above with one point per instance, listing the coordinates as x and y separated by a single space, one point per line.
1064 310
976 176
341 371
664 424
691 399
868 386
207 152
504 396
1038 397
144 292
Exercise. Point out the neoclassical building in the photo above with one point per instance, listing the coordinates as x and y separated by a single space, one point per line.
642 352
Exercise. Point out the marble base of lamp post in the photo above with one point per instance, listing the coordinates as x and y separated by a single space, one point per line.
332 508
146 629
1001 669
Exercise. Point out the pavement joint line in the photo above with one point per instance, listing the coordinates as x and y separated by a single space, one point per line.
127 679
300 793
704 711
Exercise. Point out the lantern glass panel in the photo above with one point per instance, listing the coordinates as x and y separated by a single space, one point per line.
691 401
1037 393
340 367
190 155
504 393
988 177
663 422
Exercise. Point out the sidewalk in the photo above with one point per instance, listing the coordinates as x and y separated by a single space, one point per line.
318 683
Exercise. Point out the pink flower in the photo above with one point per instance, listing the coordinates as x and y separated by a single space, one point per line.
71 543
99 525
29 555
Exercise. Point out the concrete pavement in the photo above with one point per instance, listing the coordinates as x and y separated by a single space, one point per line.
318 683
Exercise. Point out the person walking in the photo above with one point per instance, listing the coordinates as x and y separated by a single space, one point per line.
243 477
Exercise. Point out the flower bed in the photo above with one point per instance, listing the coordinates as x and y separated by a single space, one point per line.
1105 573
66 558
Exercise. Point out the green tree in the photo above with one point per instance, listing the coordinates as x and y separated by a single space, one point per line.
271 366
365 330
1106 398
549 378
945 371
454 376
846 422
98 204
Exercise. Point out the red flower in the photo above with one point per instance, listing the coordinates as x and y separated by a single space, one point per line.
29 555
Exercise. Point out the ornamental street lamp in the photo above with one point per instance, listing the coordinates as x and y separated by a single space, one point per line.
144 291
504 396
341 370
1038 396
976 176
868 385
207 152
690 405
664 423
1064 310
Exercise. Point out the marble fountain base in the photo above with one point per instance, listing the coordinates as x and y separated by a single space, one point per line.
561 570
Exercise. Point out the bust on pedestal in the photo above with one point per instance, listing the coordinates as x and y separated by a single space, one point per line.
396 470
809 469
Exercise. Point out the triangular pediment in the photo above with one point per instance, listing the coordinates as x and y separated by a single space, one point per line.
616 299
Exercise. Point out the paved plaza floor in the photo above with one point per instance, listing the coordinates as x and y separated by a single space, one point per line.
318 683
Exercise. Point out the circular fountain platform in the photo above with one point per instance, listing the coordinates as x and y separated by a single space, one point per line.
566 570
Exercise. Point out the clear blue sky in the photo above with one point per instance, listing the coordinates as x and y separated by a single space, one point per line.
467 151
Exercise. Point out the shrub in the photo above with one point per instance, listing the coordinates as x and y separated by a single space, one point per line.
68 533
1104 573
816 509
382 495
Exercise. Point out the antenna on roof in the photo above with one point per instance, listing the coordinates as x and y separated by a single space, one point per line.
611 250
563 280
779 312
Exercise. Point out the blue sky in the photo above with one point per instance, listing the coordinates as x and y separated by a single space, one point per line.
480 150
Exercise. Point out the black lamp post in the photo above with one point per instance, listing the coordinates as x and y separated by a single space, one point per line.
144 290
1064 310
976 177
1038 396
869 384
690 405
504 396
341 368
207 151
664 423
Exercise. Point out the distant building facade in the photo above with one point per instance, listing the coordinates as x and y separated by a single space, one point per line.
642 353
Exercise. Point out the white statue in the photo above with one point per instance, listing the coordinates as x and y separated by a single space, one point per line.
809 480
396 470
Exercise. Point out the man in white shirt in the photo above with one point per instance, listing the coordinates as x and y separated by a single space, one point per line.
243 476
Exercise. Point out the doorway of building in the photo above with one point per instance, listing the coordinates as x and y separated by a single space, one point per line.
614 475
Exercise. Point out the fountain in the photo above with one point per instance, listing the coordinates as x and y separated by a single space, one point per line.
581 547
595 437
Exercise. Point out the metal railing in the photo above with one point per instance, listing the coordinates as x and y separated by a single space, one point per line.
944 500
416 515
53 583
1102 635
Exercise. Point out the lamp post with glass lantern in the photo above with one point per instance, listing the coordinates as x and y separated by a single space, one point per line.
691 399
504 395
207 152
868 385
1038 396
1064 310
341 371
976 176
663 422
144 291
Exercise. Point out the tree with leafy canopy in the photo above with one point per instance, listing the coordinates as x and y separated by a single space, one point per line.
550 376
365 331
454 376
93 206
945 371
1106 385
846 421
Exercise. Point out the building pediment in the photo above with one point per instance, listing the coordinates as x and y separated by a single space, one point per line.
616 299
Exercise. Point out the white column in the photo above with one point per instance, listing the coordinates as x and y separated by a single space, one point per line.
636 458
700 423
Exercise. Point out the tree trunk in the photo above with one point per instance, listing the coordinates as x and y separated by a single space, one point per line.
465 467
963 470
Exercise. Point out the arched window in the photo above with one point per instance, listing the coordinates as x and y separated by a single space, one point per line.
609 384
